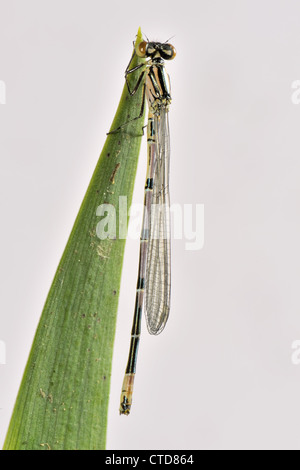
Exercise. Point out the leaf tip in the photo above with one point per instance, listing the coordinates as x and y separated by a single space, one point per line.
139 36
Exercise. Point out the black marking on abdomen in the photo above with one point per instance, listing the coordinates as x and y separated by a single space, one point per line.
149 183
141 283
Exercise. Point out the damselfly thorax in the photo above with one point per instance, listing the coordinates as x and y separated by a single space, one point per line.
158 88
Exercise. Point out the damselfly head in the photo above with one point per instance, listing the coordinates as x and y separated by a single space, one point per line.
156 49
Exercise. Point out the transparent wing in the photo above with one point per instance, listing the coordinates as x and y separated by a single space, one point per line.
158 278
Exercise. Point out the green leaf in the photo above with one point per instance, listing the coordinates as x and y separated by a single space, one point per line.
63 398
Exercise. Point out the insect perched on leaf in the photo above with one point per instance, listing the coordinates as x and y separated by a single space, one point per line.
154 273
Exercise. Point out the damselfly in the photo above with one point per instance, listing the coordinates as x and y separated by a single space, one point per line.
154 273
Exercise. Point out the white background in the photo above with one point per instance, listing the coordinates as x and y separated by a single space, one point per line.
220 376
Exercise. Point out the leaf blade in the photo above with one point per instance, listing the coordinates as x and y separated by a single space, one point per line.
63 398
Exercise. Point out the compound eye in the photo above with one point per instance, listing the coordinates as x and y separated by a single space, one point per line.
172 52
141 49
